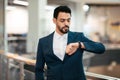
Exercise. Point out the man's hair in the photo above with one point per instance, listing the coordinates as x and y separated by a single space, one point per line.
65 9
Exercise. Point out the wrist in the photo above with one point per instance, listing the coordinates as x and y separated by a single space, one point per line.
79 45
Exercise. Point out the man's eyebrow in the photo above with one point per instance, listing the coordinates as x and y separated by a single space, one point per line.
65 19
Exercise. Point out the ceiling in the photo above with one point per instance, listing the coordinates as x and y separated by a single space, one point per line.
93 2
97 1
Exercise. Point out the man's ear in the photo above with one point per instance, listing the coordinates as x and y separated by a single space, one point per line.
54 20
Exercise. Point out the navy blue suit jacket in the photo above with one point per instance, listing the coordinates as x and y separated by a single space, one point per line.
71 68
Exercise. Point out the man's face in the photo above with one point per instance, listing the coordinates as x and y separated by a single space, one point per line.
62 22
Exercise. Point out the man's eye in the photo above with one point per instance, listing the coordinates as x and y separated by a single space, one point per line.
68 20
62 20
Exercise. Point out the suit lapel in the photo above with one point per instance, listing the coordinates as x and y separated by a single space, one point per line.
70 40
70 37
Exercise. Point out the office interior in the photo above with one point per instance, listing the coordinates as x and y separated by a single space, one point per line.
23 22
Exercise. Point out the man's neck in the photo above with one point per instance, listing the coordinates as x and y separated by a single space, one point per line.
58 32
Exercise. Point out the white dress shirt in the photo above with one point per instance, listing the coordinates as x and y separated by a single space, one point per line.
59 45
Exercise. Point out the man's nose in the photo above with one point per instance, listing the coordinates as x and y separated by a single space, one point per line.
66 22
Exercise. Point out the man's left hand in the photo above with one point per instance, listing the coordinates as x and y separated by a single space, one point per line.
71 48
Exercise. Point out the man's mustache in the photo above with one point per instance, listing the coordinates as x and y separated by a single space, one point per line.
66 26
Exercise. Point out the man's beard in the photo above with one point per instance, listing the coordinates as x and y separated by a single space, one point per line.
64 29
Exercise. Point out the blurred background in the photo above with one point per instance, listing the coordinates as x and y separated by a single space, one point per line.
23 22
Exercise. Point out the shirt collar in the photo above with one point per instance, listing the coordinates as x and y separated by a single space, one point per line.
58 36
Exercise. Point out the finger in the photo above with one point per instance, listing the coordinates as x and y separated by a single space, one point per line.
70 48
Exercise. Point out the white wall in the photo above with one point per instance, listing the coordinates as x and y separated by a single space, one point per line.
17 20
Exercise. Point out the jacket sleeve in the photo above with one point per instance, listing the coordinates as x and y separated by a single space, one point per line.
91 46
39 68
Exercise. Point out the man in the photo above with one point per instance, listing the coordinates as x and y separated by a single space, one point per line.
62 50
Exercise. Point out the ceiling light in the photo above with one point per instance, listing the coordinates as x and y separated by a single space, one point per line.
25 3
86 8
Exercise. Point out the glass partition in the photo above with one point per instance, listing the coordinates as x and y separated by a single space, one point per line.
1 24
2 70
103 24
